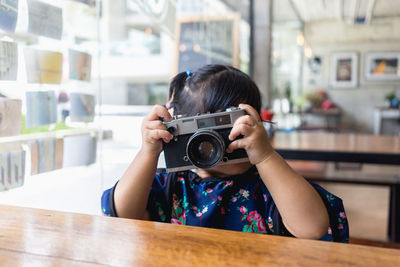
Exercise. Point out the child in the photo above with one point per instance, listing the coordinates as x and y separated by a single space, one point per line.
263 195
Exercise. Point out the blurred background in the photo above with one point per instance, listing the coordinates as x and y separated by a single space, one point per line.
77 77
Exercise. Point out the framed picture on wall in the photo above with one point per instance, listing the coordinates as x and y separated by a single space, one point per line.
382 66
202 40
344 70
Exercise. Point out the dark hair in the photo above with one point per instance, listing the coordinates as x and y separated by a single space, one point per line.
212 88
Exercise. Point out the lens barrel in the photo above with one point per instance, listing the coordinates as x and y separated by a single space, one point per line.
205 149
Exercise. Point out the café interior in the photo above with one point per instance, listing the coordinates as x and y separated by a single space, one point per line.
77 78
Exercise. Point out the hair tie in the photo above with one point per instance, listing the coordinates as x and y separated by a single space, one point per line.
188 73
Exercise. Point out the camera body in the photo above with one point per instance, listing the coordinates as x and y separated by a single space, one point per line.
200 141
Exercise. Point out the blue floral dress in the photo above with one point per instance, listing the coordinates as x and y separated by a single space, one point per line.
240 203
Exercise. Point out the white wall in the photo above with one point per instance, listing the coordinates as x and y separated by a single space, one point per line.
327 37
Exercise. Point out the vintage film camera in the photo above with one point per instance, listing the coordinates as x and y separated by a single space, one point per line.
200 141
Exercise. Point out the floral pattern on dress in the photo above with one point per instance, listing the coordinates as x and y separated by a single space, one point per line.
178 215
255 222
160 212
242 195
104 212
270 224
240 204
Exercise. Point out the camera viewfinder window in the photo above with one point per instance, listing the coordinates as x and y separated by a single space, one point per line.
223 120
214 121
205 123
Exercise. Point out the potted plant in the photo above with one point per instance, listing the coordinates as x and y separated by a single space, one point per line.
391 99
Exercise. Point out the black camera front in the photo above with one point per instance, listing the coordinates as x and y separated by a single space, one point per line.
200 141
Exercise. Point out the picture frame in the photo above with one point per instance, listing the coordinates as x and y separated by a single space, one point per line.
382 66
194 50
344 70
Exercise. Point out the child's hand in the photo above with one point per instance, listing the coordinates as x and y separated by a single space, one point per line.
153 130
255 140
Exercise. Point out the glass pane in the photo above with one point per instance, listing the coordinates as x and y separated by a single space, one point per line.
77 77
49 131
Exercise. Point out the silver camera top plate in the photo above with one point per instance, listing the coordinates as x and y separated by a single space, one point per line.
218 120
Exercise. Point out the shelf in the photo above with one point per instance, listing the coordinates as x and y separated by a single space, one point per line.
22 139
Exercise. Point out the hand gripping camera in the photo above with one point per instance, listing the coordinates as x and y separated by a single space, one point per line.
200 141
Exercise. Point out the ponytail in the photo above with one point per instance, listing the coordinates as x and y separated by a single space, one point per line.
176 86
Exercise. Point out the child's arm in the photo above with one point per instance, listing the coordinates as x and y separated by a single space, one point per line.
132 191
302 210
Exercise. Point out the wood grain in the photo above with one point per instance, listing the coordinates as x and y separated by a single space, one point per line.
337 142
29 236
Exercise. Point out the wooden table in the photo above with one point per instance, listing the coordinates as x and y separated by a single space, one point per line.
35 237
335 147
332 118
359 148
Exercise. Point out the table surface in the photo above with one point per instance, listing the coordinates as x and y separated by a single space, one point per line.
39 237
357 143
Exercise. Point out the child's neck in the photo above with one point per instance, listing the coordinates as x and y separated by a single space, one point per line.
224 170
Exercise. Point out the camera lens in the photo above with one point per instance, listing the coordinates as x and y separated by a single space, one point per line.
205 149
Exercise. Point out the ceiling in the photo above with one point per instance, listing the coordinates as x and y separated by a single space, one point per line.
347 10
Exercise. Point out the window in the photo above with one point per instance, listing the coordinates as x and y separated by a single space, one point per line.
77 77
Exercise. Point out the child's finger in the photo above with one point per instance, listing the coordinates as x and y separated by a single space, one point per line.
157 124
158 134
235 145
251 111
246 119
157 112
240 129
166 140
